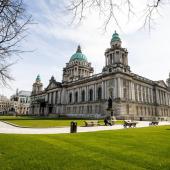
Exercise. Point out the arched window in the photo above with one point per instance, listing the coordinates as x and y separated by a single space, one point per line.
76 97
91 95
99 93
83 96
70 97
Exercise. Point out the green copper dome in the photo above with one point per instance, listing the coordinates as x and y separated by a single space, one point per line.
115 37
78 55
38 78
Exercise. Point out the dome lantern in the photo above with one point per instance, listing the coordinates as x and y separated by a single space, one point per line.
38 79
115 41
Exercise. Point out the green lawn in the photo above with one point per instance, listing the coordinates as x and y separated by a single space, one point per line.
43 123
15 117
128 149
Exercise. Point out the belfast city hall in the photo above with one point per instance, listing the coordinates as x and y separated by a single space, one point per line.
83 94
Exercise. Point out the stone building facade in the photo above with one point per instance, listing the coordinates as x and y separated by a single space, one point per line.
84 94
5 105
21 102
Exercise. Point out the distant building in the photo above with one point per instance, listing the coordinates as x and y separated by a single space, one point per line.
5 105
81 94
21 102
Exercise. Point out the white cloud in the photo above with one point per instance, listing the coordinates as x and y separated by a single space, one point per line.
55 41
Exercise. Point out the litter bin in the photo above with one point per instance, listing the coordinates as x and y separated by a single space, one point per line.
73 127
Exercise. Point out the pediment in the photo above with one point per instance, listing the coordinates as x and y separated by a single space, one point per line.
53 84
161 83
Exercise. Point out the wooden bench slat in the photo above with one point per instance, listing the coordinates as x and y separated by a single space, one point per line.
91 123
129 123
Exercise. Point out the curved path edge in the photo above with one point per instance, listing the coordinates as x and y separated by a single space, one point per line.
6 128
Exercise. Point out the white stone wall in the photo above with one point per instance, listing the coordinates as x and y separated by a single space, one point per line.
131 98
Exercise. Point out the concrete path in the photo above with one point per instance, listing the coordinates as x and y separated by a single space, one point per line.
9 129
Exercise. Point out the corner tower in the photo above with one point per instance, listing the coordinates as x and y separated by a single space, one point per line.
116 57
37 87
168 82
78 67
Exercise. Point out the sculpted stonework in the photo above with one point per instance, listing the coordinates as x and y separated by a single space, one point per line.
84 94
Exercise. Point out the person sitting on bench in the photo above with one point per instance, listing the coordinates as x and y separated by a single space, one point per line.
107 122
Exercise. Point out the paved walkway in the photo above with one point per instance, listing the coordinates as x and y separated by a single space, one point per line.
9 129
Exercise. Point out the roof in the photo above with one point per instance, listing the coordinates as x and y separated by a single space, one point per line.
24 93
115 37
161 83
38 78
3 98
79 56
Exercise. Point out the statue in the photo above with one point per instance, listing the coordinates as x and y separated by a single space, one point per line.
109 103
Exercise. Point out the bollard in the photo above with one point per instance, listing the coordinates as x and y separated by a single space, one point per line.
73 127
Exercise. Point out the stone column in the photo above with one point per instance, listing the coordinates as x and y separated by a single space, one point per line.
49 98
59 97
147 95
108 59
130 90
166 100
87 93
157 97
102 90
142 90
54 95
78 94
161 97
115 88
95 92
150 90
137 87
105 89
133 91
119 92
144 93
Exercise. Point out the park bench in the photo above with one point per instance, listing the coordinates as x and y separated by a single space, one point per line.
91 122
154 123
113 120
129 123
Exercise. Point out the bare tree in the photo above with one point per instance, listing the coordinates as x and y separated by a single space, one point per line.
110 9
13 25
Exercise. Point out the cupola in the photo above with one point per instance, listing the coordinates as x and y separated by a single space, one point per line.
78 56
115 41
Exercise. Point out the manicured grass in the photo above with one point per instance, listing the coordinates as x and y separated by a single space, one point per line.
15 117
128 149
49 123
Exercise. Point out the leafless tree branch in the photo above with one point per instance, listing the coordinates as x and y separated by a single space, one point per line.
13 26
109 9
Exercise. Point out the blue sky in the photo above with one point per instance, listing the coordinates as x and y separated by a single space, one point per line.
53 40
